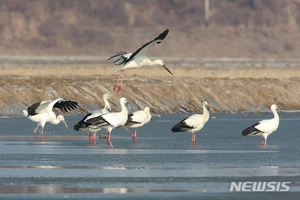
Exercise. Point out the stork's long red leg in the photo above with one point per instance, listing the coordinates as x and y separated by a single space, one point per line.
193 139
42 133
89 135
123 72
108 141
95 137
135 135
117 81
35 132
130 133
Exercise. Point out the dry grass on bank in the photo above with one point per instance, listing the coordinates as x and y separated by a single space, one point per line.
193 67
189 72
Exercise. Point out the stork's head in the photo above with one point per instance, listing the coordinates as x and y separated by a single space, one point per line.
108 100
205 105
147 109
161 63
274 107
106 96
124 101
61 118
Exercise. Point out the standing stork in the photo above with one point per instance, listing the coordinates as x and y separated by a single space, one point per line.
84 126
110 121
138 58
138 119
193 123
264 127
42 112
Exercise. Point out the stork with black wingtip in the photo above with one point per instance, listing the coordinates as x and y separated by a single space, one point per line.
264 127
83 125
138 119
193 123
42 112
138 58
109 121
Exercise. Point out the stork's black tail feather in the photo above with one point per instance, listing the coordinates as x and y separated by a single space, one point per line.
81 124
176 128
181 126
251 130
247 131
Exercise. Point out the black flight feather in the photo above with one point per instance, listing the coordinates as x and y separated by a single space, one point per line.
160 37
118 54
130 121
97 121
82 124
66 105
251 130
181 126
31 110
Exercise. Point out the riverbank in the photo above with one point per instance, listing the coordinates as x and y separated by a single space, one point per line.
163 94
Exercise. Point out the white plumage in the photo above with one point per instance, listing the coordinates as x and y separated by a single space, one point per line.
138 58
138 119
84 126
264 127
42 112
110 121
193 123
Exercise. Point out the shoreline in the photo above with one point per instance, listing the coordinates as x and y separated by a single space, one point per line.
162 94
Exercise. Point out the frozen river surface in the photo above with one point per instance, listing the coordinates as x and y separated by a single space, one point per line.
161 165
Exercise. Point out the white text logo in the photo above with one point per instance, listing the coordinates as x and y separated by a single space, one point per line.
259 186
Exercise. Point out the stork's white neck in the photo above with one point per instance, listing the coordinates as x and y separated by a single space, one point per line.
56 120
149 62
276 116
205 112
123 108
106 108
147 111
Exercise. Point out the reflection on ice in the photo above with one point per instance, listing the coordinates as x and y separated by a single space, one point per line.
22 148
162 171
20 189
166 151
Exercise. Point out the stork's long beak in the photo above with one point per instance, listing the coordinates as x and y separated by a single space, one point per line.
281 111
112 102
127 104
165 67
65 124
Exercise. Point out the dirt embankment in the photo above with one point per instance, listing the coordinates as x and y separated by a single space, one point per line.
162 95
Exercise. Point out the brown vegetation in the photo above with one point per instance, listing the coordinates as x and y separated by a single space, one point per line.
178 71
262 28
160 91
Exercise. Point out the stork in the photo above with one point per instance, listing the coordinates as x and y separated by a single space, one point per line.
83 126
193 123
42 112
264 127
138 58
138 119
